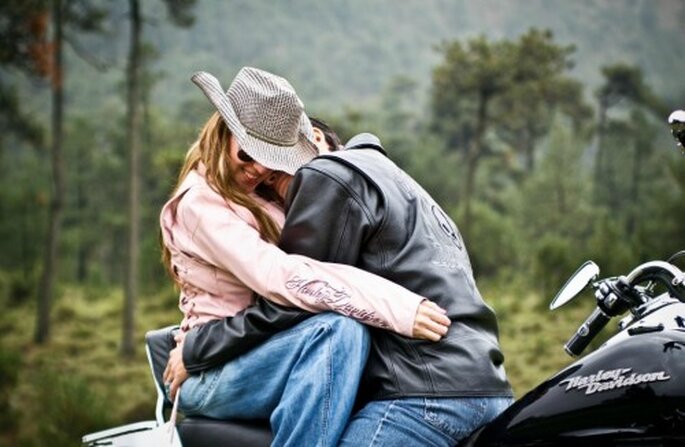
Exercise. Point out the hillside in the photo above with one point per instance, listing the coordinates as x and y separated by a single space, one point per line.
344 53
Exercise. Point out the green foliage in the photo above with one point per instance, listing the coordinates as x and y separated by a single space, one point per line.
610 247
23 205
77 384
464 84
555 198
16 120
531 336
10 366
623 82
65 408
541 89
16 286
553 263
494 246
180 12
434 168
668 230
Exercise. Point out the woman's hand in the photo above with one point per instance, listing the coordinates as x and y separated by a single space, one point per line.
430 323
175 372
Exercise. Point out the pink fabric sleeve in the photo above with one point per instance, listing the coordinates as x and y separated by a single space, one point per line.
223 239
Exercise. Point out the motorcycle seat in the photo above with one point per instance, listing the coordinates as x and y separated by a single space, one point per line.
194 430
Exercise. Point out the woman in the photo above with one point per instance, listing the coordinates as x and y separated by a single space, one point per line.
218 238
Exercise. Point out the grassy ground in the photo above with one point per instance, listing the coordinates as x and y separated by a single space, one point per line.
532 336
78 383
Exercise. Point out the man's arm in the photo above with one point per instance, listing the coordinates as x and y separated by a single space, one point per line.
216 342
326 219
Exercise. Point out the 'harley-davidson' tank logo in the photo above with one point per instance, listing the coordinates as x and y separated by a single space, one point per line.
612 379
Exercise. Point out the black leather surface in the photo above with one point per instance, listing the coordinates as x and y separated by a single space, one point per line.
160 342
202 432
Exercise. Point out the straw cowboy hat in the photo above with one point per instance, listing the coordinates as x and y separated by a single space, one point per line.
265 115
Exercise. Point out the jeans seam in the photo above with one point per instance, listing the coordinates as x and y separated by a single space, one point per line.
380 425
438 423
329 374
206 389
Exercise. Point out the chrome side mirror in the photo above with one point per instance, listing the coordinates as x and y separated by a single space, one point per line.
575 284
677 122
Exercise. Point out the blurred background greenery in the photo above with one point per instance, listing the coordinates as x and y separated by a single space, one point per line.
539 125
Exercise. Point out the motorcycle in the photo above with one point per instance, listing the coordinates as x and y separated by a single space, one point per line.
630 391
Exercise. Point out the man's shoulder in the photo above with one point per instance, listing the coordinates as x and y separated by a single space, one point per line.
330 165
362 157
347 162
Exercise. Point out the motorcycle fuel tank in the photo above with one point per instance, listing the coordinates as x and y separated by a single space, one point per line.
630 392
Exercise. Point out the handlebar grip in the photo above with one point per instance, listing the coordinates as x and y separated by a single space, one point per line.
586 332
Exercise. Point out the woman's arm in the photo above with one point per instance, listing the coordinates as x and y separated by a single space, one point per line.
223 239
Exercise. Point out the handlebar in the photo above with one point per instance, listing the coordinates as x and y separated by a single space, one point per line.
670 275
586 332
616 295
619 294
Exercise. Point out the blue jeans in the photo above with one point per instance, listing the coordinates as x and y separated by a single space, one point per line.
421 421
303 379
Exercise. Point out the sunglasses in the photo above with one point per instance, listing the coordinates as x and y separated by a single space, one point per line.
244 156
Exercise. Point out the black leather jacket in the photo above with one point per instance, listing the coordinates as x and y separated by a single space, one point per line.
357 207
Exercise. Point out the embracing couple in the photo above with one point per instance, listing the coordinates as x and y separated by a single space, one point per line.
322 288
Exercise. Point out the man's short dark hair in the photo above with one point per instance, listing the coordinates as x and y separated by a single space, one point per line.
331 137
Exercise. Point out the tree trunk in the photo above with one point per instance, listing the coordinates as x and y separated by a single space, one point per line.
83 246
474 154
631 223
50 263
133 142
599 156
529 147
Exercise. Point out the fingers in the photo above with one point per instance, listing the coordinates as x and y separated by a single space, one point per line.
434 312
168 376
435 306
180 377
432 331
167 373
175 373
431 323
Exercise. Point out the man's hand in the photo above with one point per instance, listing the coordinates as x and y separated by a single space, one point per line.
430 323
175 372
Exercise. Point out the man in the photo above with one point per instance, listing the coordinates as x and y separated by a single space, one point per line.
357 207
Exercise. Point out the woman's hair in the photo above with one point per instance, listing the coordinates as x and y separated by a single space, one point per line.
211 148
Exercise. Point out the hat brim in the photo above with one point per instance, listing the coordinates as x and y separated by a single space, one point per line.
276 157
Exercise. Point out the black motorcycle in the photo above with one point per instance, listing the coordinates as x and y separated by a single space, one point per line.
630 391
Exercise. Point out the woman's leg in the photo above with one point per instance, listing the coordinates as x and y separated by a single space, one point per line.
304 379
436 422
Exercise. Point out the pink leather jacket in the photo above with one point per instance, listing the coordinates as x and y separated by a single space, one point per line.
220 258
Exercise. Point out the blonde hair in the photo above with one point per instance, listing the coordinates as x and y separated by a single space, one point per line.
211 148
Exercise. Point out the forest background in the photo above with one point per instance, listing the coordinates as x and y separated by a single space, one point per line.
540 126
